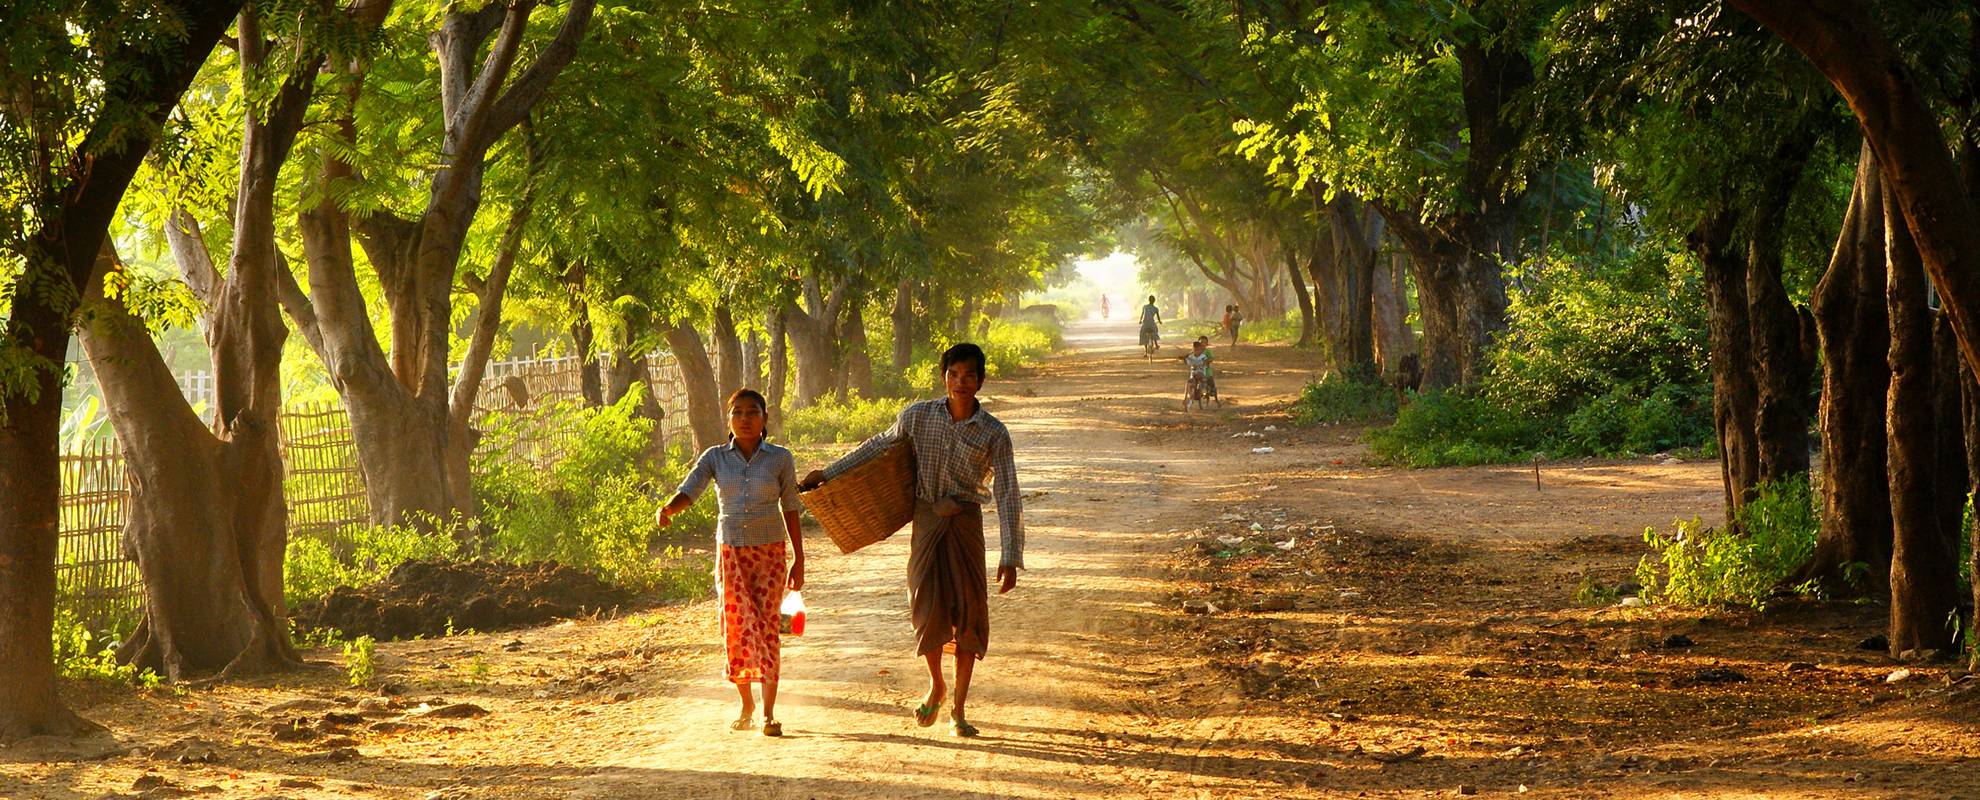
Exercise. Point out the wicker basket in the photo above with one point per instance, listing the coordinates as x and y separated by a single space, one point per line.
868 503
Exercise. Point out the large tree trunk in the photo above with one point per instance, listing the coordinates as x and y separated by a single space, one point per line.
1783 369
59 260
779 368
705 414
1924 599
1734 389
30 478
811 338
903 318
1389 312
859 366
1440 290
728 352
1854 325
1346 299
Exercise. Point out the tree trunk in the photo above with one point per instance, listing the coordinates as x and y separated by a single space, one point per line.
1924 599
1906 134
859 366
1389 312
1782 369
903 317
1734 389
1293 270
591 378
964 317
779 369
1357 237
752 360
705 415
61 257
728 352
1854 325
1440 289
810 333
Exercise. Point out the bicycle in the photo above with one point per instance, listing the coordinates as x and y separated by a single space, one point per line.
1193 395
1150 342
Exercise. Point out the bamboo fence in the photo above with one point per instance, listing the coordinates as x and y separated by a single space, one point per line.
323 485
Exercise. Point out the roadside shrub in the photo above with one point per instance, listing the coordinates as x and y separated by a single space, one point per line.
591 507
1671 417
1697 565
364 554
81 654
1266 329
1441 429
1014 344
1338 398
830 421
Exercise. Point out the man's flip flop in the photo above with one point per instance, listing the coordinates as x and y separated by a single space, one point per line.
742 724
963 729
924 715
772 727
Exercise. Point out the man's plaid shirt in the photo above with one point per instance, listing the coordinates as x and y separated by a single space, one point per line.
954 459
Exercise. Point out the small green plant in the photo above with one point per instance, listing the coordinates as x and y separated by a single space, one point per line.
1339 398
309 638
360 661
1593 594
478 670
365 554
81 654
1744 564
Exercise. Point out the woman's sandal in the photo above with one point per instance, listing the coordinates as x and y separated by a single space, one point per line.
772 727
742 724
962 729
924 715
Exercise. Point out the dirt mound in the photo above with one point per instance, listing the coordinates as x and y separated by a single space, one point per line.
425 598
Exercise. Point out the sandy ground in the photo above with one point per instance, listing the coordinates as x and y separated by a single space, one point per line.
1417 637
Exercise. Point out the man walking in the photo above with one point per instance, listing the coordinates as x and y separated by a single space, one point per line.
957 446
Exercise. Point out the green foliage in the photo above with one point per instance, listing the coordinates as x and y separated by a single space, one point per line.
83 655
360 661
1453 428
832 421
1744 564
1266 330
1604 360
1592 593
594 506
364 554
1338 398
1014 344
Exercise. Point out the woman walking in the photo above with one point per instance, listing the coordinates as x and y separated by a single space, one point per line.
756 486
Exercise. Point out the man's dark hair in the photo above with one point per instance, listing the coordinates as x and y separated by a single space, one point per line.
965 352
1151 298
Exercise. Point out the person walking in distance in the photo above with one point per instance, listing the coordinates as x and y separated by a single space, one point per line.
756 484
957 446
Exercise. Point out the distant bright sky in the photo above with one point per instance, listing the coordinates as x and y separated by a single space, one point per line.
1117 274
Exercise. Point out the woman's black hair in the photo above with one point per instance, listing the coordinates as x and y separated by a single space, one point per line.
966 352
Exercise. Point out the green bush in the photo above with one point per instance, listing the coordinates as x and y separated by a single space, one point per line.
364 554
1012 344
1338 398
1671 417
1742 565
593 507
830 421
81 654
1265 330
1454 429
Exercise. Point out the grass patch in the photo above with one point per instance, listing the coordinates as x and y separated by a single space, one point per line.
1745 564
1338 398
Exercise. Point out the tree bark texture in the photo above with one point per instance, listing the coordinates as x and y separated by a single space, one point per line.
810 333
1854 325
1924 600
1345 300
728 351
1295 274
1783 369
705 415
852 341
144 84
1734 389
777 371
1389 312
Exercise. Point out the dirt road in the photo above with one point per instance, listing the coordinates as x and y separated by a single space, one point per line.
1372 632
